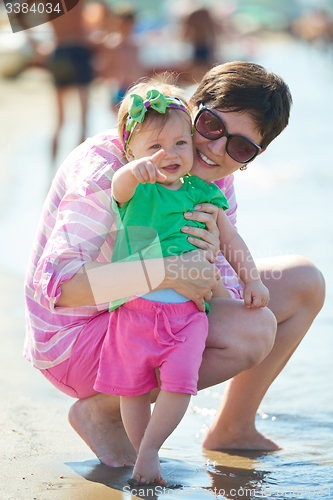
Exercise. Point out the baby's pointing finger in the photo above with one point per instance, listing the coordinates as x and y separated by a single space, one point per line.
156 157
155 161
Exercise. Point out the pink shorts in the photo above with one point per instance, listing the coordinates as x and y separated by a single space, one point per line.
145 335
77 375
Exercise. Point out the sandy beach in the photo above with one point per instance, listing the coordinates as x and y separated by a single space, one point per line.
41 456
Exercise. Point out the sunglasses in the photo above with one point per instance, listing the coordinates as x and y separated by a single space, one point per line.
210 126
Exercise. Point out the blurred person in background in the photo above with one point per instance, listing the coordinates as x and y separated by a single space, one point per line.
71 67
314 27
120 54
97 20
201 30
69 60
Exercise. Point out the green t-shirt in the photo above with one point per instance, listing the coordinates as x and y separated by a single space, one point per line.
149 224
151 221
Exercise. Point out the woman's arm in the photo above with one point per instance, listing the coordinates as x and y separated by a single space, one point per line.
97 283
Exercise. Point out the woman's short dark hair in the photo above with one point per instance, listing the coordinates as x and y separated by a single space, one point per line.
244 86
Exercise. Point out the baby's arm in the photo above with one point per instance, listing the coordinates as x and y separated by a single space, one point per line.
239 257
221 291
126 179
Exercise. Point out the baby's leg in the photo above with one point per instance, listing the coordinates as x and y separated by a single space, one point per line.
170 408
135 414
221 291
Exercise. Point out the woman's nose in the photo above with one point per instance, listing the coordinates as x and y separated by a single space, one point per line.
218 146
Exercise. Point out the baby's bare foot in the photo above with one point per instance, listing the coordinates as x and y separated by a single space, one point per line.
147 469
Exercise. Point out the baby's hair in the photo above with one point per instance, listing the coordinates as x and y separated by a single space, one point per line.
166 84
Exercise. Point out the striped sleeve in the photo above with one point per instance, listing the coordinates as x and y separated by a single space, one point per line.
77 227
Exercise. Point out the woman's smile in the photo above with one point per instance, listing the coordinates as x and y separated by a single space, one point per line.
206 160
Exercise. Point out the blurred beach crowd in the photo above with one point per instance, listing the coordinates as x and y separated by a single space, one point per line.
168 32
181 35
131 40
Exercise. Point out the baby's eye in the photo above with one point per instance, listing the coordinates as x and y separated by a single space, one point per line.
180 143
156 146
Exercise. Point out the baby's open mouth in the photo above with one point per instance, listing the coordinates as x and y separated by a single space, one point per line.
171 168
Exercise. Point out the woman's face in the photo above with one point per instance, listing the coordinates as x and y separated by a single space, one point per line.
210 159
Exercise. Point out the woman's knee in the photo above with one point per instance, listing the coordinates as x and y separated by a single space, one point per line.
294 282
310 284
246 334
260 336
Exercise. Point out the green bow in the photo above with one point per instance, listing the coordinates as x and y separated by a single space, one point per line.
137 108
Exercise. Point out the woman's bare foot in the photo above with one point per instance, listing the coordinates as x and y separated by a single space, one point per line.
147 469
237 439
97 420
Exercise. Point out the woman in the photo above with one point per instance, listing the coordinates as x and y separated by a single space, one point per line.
70 272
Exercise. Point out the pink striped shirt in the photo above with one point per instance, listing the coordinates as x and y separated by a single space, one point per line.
77 226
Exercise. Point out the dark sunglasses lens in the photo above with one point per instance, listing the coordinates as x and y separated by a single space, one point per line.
241 150
209 126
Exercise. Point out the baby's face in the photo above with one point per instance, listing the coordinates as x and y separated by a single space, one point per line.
175 138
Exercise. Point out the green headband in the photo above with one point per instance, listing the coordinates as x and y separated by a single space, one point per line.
138 108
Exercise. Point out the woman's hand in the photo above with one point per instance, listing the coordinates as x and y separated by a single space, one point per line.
192 275
210 241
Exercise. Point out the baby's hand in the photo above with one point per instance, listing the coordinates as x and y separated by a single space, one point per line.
145 169
255 294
